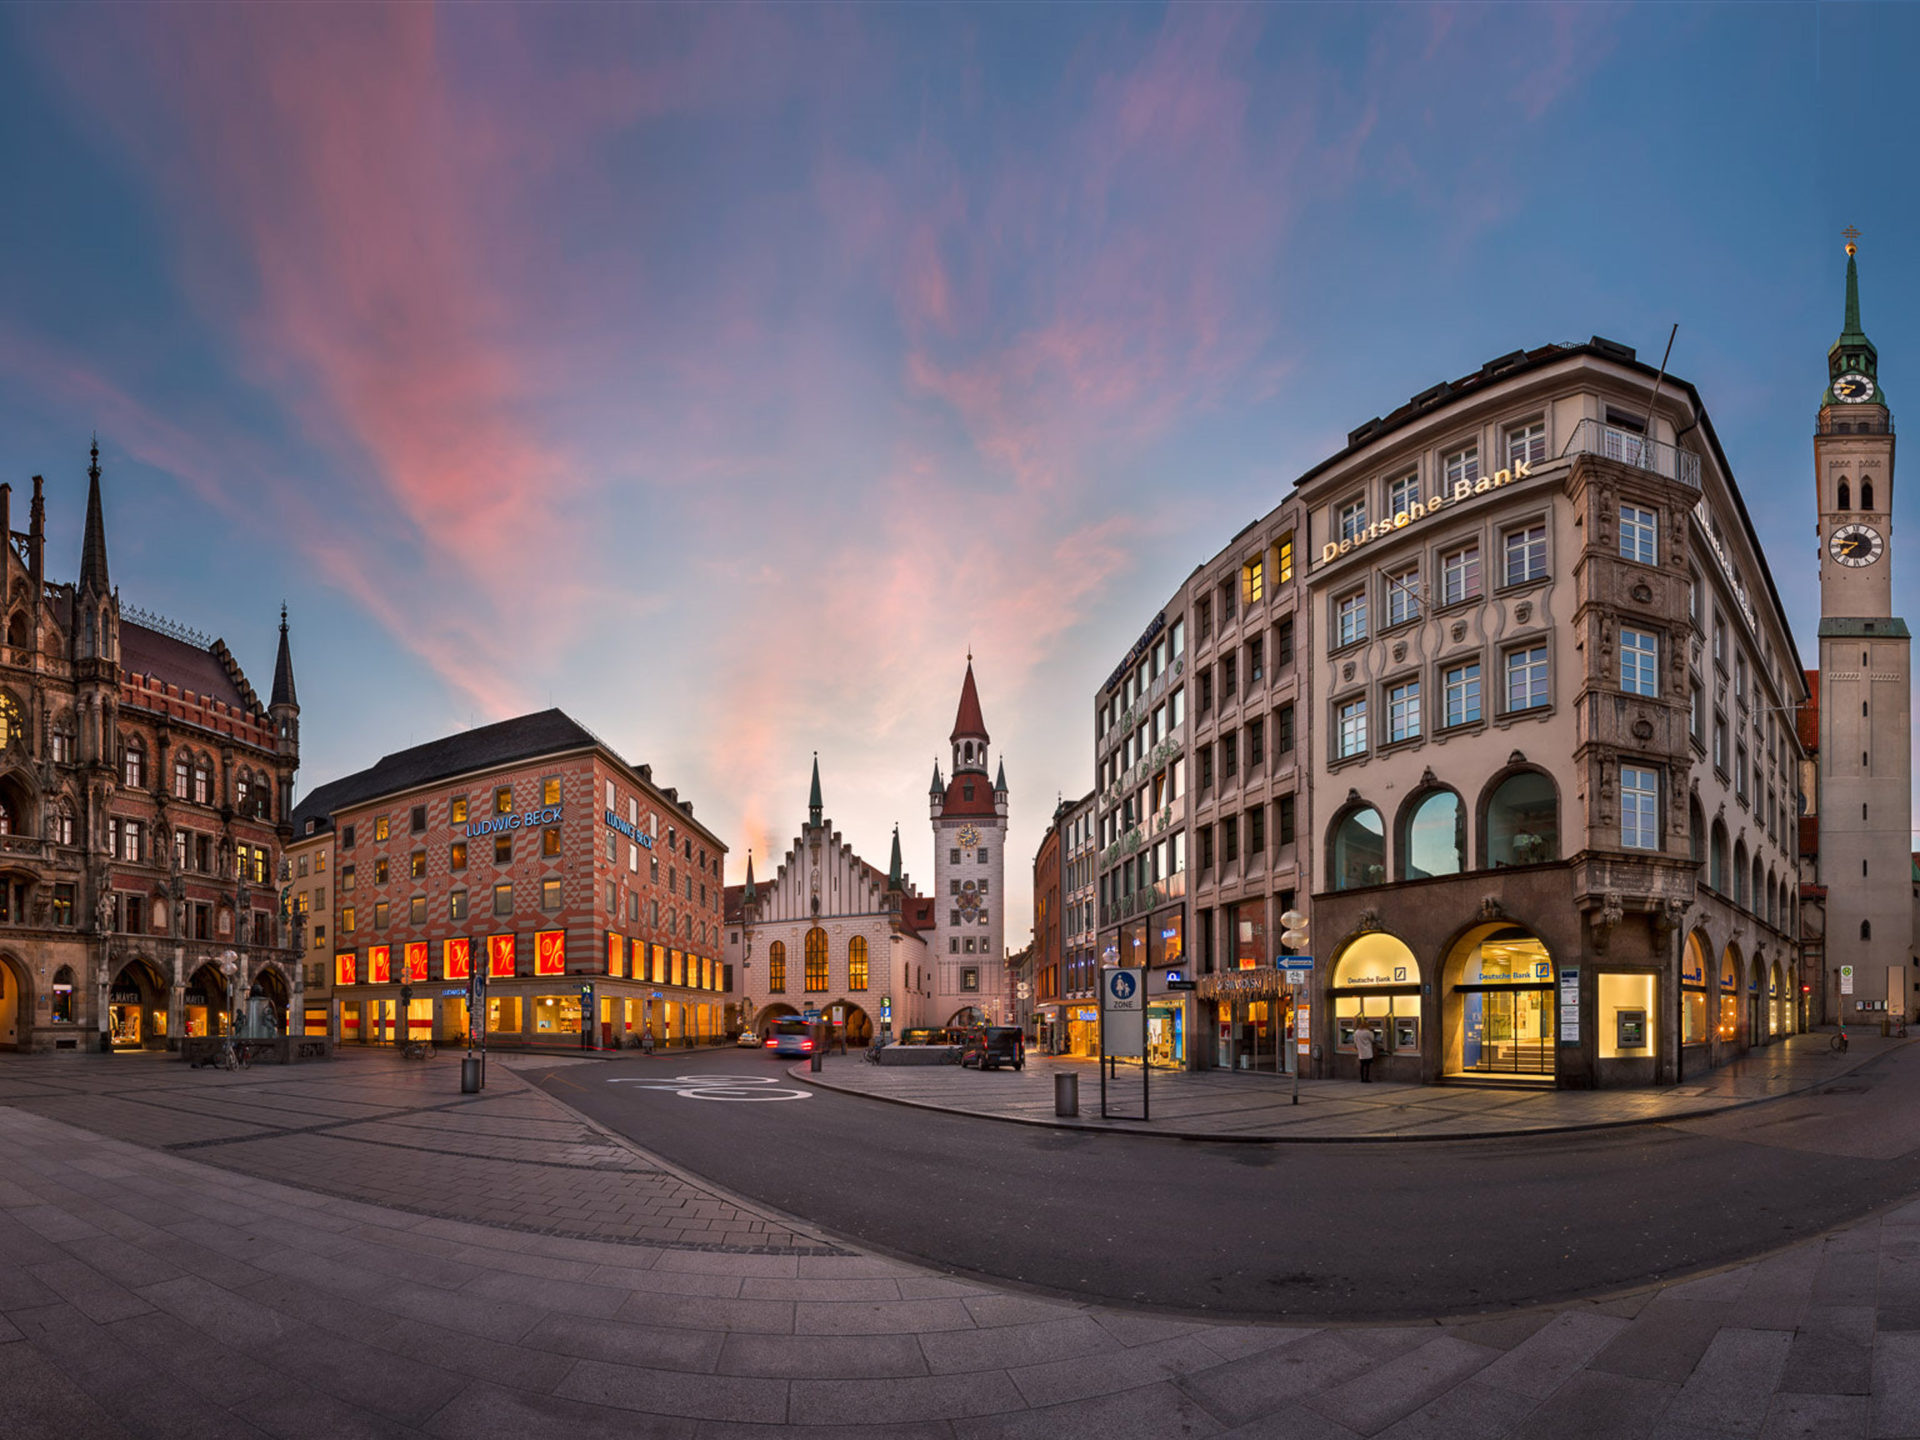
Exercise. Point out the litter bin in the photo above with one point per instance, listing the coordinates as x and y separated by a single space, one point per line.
470 1075
1066 1093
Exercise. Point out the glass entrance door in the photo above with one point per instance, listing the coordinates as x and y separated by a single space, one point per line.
1509 1031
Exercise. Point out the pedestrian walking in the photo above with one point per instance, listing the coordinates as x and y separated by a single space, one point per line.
1364 1044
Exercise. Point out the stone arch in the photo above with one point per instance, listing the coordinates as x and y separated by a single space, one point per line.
1497 1002
206 1008
1430 834
1518 818
19 802
136 1004
1732 1022
1717 857
16 1004
17 636
859 1024
966 1017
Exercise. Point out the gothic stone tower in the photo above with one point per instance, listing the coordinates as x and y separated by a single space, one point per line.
969 870
1865 806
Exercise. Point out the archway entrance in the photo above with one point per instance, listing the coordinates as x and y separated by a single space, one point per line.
1498 984
764 1017
137 1008
1732 1020
859 1027
16 1009
203 1008
270 988
966 1017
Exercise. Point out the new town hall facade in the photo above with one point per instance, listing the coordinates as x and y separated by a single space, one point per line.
143 795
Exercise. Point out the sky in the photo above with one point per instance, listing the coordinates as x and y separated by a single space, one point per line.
723 375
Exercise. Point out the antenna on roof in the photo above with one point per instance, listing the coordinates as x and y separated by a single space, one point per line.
1647 459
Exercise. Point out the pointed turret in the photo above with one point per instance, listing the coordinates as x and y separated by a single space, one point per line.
283 692
814 805
968 723
1000 781
938 787
93 545
749 895
1853 364
893 868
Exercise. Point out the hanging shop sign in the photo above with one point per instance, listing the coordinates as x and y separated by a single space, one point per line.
1420 509
521 820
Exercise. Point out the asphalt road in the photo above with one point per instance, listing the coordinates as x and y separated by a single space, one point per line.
1382 1231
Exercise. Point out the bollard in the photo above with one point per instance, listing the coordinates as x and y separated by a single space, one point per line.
1066 1094
813 1062
470 1075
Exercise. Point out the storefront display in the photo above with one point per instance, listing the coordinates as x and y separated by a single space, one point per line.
1252 1018
1627 1005
1693 993
1083 1032
1167 1033
1729 999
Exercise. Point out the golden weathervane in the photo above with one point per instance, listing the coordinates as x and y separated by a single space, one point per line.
1852 235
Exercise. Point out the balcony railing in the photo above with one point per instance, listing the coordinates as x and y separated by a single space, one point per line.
1593 437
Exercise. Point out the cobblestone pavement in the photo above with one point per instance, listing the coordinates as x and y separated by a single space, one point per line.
397 1133
1221 1105
145 1291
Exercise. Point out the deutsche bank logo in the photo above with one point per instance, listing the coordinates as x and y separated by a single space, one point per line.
1123 986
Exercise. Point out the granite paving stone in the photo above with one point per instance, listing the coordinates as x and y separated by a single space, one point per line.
312 1281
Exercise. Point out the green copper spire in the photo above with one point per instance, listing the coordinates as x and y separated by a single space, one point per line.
750 894
1853 355
893 870
813 801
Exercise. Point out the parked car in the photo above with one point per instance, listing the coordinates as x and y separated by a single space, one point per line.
992 1046
790 1037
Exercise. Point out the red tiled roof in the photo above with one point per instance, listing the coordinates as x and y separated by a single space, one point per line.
1807 717
956 802
148 652
733 903
969 721
916 913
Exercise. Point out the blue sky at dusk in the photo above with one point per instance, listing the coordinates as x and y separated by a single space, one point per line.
722 374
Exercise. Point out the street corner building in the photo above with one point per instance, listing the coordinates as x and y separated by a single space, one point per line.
1503 698
144 796
519 880
832 937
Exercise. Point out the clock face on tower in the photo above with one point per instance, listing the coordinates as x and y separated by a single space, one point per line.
969 837
1856 545
1853 387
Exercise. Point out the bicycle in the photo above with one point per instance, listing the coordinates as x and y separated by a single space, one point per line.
417 1050
873 1054
1839 1042
231 1056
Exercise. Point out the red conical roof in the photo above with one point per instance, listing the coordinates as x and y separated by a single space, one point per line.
969 722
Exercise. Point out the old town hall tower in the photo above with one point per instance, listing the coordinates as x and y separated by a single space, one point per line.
969 868
1865 805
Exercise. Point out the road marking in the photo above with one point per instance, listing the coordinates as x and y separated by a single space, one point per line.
742 1088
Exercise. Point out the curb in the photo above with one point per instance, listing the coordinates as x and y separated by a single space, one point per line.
1136 1128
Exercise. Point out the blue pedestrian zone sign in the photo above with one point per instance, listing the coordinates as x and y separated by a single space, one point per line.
1123 986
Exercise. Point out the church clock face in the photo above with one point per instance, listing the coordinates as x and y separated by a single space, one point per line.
1856 545
1853 387
969 837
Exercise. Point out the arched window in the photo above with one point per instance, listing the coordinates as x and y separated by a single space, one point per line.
181 780
202 782
63 996
1773 901
1866 494
816 960
1377 978
1740 872
777 968
857 963
17 630
1358 849
1522 821
134 768
1717 860
1434 841
1846 495
1758 898
242 791
1696 831
1866 929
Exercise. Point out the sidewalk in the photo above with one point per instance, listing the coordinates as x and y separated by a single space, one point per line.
1222 1105
145 1292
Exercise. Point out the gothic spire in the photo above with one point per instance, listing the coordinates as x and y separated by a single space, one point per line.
814 806
936 788
893 869
749 895
1853 354
283 692
969 722
1000 784
93 545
